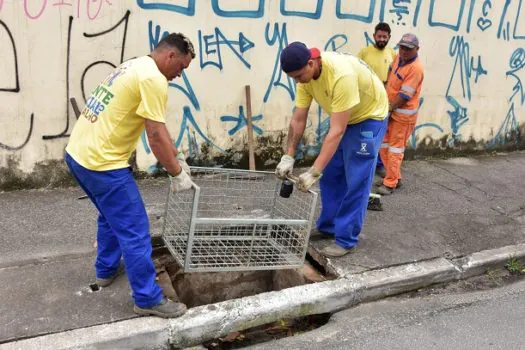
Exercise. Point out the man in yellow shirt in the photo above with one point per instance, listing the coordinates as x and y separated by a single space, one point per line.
356 100
132 98
379 57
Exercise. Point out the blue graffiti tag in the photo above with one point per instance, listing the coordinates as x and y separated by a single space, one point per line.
280 37
363 18
464 65
504 24
211 45
510 124
400 9
241 121
517 63
188 121
336 42
312 15
458 117
483 22
454 26
507 129
460 49
187 11
258 13
413 138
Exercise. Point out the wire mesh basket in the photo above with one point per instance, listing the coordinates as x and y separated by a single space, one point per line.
235 220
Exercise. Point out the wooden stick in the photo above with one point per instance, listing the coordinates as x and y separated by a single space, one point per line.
251 155
75 106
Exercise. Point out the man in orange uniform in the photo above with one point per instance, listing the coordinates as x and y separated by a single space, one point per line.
403 89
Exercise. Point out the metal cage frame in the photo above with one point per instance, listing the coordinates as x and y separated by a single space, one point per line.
235 220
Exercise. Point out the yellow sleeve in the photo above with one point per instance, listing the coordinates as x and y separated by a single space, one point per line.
361 54
154 97
303 98
345 93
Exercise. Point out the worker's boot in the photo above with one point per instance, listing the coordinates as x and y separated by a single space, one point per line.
106 282
336 251
165 309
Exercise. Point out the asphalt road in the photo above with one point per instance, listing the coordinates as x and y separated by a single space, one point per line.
490 319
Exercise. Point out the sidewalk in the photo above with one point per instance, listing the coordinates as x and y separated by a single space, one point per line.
446 208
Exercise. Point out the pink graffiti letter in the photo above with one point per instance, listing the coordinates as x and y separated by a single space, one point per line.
99 7
39 14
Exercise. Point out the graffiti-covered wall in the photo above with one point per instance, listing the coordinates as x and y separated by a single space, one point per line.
52 50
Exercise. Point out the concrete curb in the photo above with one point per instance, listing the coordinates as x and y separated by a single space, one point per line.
216 320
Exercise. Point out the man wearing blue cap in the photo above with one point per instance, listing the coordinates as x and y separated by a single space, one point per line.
347 89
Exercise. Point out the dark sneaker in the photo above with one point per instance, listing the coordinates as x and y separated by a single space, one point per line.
384 190
106 282
399 184
165 309
381 172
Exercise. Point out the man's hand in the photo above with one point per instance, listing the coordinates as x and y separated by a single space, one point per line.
307 179
285 167
181 182
182 161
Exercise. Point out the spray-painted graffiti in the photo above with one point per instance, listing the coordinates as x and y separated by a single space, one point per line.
463 71
510 126
90 9
241 121
279 38
210 45
239 42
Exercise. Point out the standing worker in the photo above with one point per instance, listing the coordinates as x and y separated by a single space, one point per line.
379 57
132 98
403 89
356 101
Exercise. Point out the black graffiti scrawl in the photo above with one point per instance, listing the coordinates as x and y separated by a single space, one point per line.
15 89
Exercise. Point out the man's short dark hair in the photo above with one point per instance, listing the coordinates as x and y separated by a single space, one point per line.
178 41
382 26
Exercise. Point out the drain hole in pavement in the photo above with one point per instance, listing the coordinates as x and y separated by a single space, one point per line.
315 264
268 332
202 288
94 287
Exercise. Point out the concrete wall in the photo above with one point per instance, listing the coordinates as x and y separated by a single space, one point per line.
51 50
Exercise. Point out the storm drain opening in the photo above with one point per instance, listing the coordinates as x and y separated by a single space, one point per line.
94 287
268 332
202 288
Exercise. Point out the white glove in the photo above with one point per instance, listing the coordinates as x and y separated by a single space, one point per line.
181 182
307 179
182 161
285 167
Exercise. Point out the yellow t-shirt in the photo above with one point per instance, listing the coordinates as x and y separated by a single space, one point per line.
379 60
345 83
112 121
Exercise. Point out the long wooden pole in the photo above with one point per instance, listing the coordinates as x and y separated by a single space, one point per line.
251 154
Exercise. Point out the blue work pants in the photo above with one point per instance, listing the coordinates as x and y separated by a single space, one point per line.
347 180
123 229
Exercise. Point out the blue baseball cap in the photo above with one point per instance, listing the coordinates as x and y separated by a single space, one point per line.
296 55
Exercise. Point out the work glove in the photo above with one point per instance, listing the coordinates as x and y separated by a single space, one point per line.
307 179
181 182
285 167
182 161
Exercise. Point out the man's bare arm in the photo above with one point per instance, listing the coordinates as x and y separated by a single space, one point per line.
296 129
398 102
162 147
338 124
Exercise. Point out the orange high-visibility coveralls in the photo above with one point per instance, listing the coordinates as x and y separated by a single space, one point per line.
405 80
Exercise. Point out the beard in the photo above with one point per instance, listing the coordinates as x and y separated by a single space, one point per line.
381 44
